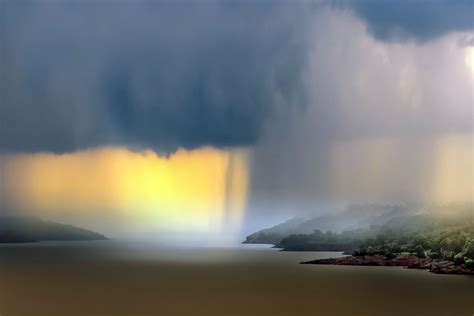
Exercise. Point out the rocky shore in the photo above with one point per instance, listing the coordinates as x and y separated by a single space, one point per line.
409 262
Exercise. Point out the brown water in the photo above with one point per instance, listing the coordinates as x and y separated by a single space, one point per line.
113 278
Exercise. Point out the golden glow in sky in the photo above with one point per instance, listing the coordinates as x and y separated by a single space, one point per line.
196 190
206 190
396 170
453 179
469 59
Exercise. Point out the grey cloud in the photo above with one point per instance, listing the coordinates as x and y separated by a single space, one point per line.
158 75
169 74
390 20
466 41
381 120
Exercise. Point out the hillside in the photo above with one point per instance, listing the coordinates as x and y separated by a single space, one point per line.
14 229
437 245
410 229
352 218
274 234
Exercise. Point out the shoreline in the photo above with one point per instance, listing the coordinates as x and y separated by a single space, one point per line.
408 262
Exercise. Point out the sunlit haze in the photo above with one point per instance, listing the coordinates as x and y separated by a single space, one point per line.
137 126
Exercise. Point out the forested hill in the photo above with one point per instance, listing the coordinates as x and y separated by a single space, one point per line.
353 217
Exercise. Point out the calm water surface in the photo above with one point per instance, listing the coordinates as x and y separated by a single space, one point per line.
118 278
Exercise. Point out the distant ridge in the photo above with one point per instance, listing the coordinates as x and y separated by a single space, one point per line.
360 220
354 217
18 229
274 234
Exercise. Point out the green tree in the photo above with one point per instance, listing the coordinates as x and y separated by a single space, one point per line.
419 251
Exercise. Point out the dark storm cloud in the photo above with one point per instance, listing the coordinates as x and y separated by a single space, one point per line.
158 75
391 20
169 74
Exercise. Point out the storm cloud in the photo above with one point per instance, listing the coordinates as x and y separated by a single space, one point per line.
158 75
387 121
163 75
422 21
335 101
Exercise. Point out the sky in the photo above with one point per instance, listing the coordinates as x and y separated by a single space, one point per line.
214 118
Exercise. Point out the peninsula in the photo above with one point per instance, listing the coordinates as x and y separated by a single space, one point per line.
20 229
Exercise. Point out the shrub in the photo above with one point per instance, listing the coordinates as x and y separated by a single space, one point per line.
469 248
433 254
419 251
459 258
469 262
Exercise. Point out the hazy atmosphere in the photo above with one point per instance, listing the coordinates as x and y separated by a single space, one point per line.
126 120
236 157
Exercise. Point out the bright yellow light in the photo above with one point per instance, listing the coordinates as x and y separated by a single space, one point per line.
469 58
453 176
190 190
396 170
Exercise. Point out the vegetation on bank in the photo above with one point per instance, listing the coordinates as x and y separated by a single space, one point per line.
437 240
328 241
455 244
406 217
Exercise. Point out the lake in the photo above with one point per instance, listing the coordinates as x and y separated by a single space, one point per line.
133 278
